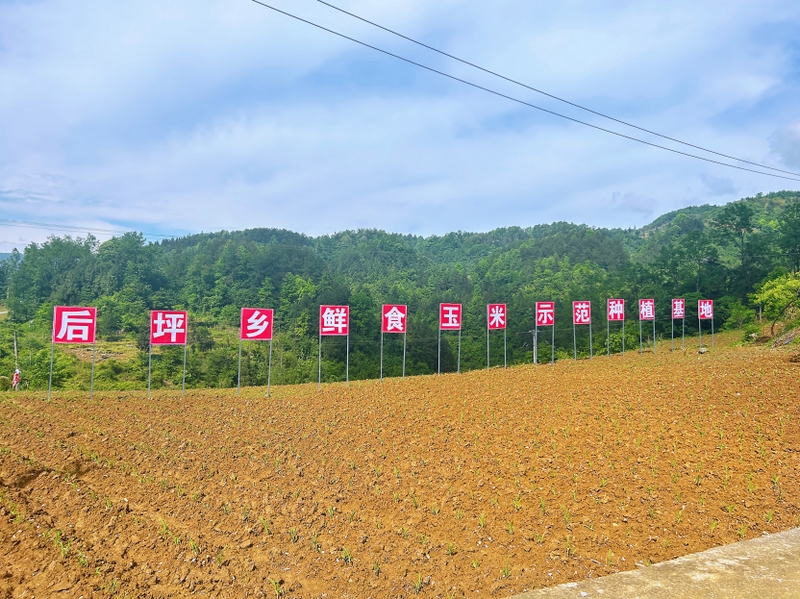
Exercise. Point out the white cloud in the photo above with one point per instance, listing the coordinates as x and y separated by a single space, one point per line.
174 116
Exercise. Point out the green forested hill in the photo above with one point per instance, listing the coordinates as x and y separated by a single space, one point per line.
707 251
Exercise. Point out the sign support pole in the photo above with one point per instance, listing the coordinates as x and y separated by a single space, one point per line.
381 377
239 375
149 368
50 380
591 349
608 337
505 348
487 347
700 329
439 367
673 334
319 363
712 332
459 351
269 367
183 381
91 380
641 350
405 336
574 340
536 343
347 360
654 335
623 336
553 344
683 331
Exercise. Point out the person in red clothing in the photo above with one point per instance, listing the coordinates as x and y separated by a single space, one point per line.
16 379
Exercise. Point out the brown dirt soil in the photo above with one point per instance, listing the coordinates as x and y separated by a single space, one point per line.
473 485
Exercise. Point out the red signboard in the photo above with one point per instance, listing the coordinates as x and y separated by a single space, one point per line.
581 312
647 309
496 317
256 324
678 308
168 327
334 320
545 314
74 324
450 317
616 309
394 318
705 309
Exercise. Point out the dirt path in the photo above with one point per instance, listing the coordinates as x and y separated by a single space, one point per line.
472 485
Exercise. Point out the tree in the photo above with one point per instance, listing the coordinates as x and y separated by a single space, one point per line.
735 223
789 233
777 296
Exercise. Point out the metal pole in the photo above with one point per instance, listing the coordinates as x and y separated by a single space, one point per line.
91 380
381 376
553 345
591 349
319 363
623 335
487 347
347 361
608 337
654 335
239 375
439 367
712 332
269 367
673 334
149 368
183 382
459 351
505 348
536 343
640 336
574 341
683 331
50 380
405 335
700 329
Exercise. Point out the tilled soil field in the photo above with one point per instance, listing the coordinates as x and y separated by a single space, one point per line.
481 484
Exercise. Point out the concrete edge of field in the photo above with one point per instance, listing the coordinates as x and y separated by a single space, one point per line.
767 566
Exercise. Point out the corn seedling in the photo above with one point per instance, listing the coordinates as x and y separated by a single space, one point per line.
194 547
769 515
506 571
417 584
376 568
293 535
516 503
510 528
315 543
742 531
482 519
331 511
570 546
347 557
451 549
435 510
475 564
277 587
459 514
714 525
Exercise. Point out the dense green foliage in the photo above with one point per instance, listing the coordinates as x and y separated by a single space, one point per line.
724 253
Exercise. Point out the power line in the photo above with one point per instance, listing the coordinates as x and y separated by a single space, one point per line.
5 222
517 100
549 95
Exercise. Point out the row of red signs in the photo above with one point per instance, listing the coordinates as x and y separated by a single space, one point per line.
169 327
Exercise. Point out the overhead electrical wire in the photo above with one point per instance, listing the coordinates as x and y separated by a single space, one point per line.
549 95
517 100
5 222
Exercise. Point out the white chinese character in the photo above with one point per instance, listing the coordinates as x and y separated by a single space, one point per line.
168 324
451 316
545 314
646 310
334 319
678 309
497 316
257 324
616 309
75 325
394 320
706 309
582 313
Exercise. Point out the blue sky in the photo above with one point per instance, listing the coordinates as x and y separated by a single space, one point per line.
174 117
